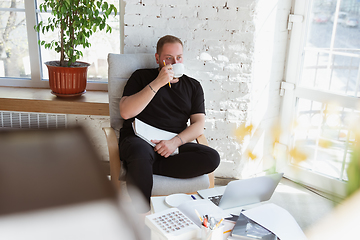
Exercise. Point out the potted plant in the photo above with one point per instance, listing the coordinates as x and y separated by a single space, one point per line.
76 21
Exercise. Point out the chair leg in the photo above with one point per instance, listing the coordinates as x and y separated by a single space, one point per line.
116 183
211 180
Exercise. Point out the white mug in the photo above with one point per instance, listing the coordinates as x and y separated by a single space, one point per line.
178 69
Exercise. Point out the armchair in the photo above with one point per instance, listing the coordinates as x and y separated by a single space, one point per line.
120 68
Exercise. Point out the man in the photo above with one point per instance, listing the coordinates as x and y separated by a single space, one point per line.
149 97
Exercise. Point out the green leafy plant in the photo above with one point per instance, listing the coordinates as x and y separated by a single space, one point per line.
353 169
76 21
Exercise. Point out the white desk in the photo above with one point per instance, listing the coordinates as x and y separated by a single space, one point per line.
305 206
158 204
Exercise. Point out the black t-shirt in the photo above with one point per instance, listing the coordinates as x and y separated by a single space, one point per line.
170 108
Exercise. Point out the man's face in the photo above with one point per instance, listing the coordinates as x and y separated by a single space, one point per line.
171 52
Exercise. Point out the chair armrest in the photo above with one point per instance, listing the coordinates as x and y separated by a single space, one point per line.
202 140
114 157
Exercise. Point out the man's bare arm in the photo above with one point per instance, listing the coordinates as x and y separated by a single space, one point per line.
196 128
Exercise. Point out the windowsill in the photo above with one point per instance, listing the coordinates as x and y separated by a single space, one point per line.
41 100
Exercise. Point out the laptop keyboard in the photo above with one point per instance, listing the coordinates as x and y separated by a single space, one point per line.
216 199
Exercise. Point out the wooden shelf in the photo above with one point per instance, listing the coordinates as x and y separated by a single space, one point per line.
41 100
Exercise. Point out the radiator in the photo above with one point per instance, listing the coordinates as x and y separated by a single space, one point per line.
32 120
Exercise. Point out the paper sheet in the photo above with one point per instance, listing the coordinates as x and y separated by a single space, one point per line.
277 220
204 207
148 133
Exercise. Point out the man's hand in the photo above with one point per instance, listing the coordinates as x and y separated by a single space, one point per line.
165 147
166 75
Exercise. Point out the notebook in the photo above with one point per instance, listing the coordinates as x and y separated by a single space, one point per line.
243 192
148 133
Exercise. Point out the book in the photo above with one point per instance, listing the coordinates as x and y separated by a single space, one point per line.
148 133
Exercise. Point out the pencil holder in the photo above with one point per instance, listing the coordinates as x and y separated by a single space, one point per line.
208 234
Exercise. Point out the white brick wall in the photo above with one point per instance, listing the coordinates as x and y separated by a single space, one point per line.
271 35
219 39
93 126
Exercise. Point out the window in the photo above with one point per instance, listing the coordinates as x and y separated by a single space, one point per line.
14 50
22 60
320 111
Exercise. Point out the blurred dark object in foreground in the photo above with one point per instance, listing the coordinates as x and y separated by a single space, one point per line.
53 186
47 168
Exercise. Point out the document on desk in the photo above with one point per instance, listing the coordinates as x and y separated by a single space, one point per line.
277 220
203 207
148 133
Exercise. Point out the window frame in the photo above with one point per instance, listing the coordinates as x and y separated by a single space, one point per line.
297 41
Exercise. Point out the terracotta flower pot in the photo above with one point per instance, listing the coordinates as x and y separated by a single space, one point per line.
67 81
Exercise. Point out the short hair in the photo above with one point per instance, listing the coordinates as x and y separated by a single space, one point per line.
166 39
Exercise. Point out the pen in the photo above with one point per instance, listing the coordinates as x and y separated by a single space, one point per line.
192 196
197 213
205 223
212 223
218 224
164 66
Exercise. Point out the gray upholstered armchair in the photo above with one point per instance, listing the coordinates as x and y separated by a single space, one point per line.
121 66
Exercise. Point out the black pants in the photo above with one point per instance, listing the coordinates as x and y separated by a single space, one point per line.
141 162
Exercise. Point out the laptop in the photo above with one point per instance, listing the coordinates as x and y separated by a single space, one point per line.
243 192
